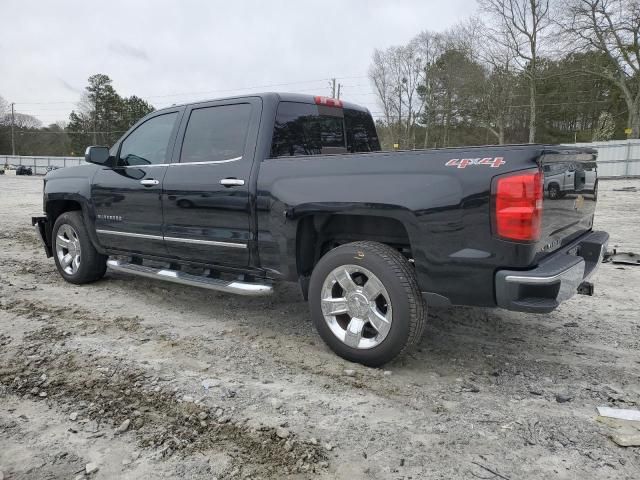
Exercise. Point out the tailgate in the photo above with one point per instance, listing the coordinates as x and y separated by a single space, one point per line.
570 195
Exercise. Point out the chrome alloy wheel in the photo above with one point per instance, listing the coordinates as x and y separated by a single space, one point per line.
68 249
356 306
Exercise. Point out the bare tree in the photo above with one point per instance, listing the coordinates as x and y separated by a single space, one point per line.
499 90
4 110
519 25
611 27
24 121
381 76
396 74
430 46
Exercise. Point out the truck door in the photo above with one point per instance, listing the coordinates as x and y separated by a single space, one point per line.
127 197
206 188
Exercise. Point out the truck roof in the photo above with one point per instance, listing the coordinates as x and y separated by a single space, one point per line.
273 96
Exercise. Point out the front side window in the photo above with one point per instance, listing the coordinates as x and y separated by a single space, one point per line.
148 144
216 133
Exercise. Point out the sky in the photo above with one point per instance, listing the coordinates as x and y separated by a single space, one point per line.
186 50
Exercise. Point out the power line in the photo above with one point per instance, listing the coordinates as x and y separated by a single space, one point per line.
270 85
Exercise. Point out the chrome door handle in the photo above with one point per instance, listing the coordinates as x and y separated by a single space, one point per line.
149 182
232 182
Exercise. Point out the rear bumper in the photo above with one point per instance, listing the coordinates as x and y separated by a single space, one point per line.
43 230
554 280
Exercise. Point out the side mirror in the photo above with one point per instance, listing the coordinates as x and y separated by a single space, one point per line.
97 155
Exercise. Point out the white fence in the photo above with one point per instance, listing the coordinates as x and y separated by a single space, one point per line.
39 165
616 158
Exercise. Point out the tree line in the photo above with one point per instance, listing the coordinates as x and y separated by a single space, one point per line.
546 71
101 117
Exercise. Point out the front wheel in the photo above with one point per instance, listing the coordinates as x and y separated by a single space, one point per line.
365 302
76 258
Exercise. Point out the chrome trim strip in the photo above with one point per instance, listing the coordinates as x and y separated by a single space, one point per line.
206 242
128 234
235 159
174 239
177 164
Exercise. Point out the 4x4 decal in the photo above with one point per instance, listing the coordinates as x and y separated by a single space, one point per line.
493 162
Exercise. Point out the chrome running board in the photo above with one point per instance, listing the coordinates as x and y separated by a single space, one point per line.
234 286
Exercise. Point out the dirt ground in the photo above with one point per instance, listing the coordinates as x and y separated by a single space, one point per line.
145 379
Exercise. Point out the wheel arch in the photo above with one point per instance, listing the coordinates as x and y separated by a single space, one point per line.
57 204
319 233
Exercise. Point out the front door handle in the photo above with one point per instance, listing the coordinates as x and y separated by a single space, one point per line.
149 182
232 182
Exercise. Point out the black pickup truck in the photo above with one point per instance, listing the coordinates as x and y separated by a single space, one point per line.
235 194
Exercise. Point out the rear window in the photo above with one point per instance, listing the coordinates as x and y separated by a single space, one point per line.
307 129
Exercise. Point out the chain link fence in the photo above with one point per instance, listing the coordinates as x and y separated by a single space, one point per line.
40 165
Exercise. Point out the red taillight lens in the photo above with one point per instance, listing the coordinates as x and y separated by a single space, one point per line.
518 206
328 102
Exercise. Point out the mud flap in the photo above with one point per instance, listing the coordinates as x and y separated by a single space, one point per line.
43 230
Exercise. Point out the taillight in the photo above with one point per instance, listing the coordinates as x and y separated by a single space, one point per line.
518 206
328 102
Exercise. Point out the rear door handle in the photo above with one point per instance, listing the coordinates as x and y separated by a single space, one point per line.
232 182
149 182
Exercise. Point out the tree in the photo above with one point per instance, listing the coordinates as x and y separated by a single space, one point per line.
430 46
4 110
23 121
612 28
103 115
519 26
605 128
458 82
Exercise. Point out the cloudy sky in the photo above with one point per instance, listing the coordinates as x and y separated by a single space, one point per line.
176 51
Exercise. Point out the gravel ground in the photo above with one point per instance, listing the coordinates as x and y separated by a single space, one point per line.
143 379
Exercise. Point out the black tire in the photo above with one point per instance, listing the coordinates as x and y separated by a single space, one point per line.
398 277
554 191
93 265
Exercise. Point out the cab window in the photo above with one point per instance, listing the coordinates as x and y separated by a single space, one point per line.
216 133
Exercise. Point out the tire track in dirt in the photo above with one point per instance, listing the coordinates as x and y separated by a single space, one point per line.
159 420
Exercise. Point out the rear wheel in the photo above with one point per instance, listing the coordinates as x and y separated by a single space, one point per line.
76 258
365 302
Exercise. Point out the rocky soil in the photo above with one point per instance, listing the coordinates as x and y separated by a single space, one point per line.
135 378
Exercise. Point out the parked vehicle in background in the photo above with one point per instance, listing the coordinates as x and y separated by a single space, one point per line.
237 193
23 170
563 178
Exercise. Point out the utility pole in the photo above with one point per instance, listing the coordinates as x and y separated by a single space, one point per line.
13 138
333 88
339 86
95 120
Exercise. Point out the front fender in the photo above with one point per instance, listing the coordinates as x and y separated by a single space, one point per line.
72 185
